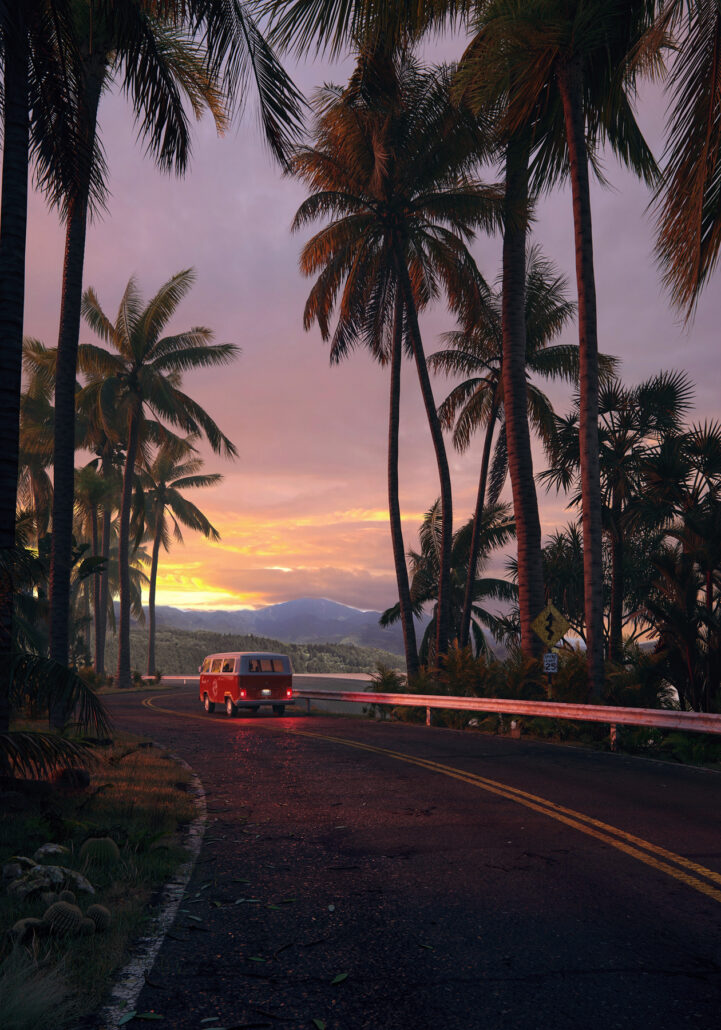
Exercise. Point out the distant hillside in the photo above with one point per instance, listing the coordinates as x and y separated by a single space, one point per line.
181 652
306 620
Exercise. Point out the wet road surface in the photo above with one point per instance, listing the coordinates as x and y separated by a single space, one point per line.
366 874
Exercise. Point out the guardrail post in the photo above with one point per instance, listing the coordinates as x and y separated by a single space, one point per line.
428 715
614 746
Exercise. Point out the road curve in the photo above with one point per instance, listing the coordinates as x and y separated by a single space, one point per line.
442 879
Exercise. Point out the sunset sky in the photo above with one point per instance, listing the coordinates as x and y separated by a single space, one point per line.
303 511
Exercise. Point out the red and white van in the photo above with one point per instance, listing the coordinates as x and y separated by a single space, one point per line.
246 679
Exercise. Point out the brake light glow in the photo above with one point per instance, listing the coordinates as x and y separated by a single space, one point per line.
242 693
289 693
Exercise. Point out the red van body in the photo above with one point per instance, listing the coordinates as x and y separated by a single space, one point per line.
246 679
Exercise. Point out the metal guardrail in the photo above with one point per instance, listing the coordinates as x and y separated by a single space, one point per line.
661 718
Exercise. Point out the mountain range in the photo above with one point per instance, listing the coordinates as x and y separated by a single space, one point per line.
305 620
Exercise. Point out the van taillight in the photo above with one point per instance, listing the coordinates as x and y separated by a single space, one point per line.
289 693
242 693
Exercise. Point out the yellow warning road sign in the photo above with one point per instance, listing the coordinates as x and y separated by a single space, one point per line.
550 625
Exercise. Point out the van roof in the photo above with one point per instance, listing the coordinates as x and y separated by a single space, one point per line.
240 654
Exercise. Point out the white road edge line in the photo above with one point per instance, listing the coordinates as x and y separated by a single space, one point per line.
130 981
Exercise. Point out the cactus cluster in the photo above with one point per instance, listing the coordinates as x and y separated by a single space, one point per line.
64 919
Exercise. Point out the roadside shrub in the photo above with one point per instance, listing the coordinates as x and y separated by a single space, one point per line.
385 680
33 995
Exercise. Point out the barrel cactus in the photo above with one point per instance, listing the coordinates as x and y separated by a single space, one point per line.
87 927
100 916
63 918
67 896
100 852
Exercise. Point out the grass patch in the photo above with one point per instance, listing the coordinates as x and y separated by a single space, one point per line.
138 796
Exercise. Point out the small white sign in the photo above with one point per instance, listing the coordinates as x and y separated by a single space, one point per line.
550 663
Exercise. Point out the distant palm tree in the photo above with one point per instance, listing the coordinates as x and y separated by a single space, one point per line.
391 168
144 375
496 530
477 351
160 503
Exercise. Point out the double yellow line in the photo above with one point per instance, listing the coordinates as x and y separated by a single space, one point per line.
690 873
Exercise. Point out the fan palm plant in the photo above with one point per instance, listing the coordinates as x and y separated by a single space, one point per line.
477 351
161 507
496 530
391 168
632 421
144 375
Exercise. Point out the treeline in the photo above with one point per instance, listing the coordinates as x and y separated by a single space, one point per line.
181 651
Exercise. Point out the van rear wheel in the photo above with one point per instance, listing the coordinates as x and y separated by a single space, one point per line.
278 709
208 705
230 709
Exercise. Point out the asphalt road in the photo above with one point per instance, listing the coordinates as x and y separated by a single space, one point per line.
377 875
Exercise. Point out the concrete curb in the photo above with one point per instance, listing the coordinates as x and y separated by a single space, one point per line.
131 979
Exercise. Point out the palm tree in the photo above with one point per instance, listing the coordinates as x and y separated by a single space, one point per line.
632 422
159 68
496 530
566 73
391 167
37 420
145 375
477 351
37 53
689 226
160 502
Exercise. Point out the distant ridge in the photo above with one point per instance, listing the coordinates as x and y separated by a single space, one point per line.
311 620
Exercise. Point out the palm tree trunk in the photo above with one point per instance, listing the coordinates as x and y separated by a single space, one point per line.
570 84
477 522
102 616
444 475
123 674
515 395
65 378
615 629
13 231
96 579
151 598
399 554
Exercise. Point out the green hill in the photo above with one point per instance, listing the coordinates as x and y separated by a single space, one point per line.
180 652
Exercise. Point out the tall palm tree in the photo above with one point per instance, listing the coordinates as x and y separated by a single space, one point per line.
391 167
160 503
144 375
159 68
477 351
37 51
496 530
566 71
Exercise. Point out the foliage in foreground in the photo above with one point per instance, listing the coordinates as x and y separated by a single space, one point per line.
139 798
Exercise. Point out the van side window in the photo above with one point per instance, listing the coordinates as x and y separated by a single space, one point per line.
229 665
217 663
206 665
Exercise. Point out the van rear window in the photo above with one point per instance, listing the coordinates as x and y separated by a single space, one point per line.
265 665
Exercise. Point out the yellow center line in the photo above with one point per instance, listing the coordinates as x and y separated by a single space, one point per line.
643 851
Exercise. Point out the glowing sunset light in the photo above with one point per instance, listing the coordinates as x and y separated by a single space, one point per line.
304 509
